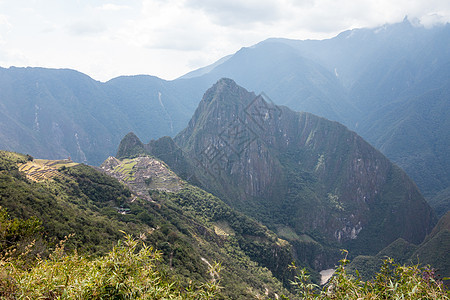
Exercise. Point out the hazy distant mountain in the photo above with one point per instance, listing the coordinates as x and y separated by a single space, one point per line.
416 134
371 80
59 113
287 77
312 181
56 114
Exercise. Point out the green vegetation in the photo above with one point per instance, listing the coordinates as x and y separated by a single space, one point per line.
94 208
432 251
70 203
191 229
134 270
131 270
392 281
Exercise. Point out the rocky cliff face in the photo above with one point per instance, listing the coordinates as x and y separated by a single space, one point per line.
311 180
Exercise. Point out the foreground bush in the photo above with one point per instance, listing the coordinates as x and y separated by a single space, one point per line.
393 281
126 272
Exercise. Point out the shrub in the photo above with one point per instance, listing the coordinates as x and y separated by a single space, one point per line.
129 271
393 281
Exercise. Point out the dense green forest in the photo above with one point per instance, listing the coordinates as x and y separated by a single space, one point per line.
85 235
132 270
94 209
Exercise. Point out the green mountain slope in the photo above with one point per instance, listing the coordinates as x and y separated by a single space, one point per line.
192 228
310 180
432 251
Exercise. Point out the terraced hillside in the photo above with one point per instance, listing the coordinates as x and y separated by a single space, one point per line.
43 169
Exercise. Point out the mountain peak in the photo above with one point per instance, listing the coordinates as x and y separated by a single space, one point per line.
225 82
130 146
225 90
316 176
223 102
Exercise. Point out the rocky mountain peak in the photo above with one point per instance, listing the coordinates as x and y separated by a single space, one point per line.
129 146
306 178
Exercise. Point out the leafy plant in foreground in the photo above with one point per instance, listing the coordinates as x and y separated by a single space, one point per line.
128 271
393 281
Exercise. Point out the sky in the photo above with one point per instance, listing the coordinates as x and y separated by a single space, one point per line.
108 38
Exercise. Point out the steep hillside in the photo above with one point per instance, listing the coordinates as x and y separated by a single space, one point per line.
153 181
416 134
376 75
69 200
436 247
432 251
311 180
192 228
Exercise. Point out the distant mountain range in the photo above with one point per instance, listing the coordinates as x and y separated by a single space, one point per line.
389 84
61 113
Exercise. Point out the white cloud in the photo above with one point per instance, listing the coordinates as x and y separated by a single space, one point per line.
168 25
83 28
238 12
5 25
108 38
437 18
113 7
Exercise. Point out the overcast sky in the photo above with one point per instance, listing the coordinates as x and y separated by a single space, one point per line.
108 38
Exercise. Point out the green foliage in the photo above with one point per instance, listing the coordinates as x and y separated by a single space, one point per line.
251 255
129 271
254 239
68 205
303 284
12 231
98 186
393 281
85 202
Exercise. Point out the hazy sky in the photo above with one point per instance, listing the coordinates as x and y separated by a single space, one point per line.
108 38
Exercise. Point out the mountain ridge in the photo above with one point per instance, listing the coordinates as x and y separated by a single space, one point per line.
274 165
354 78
